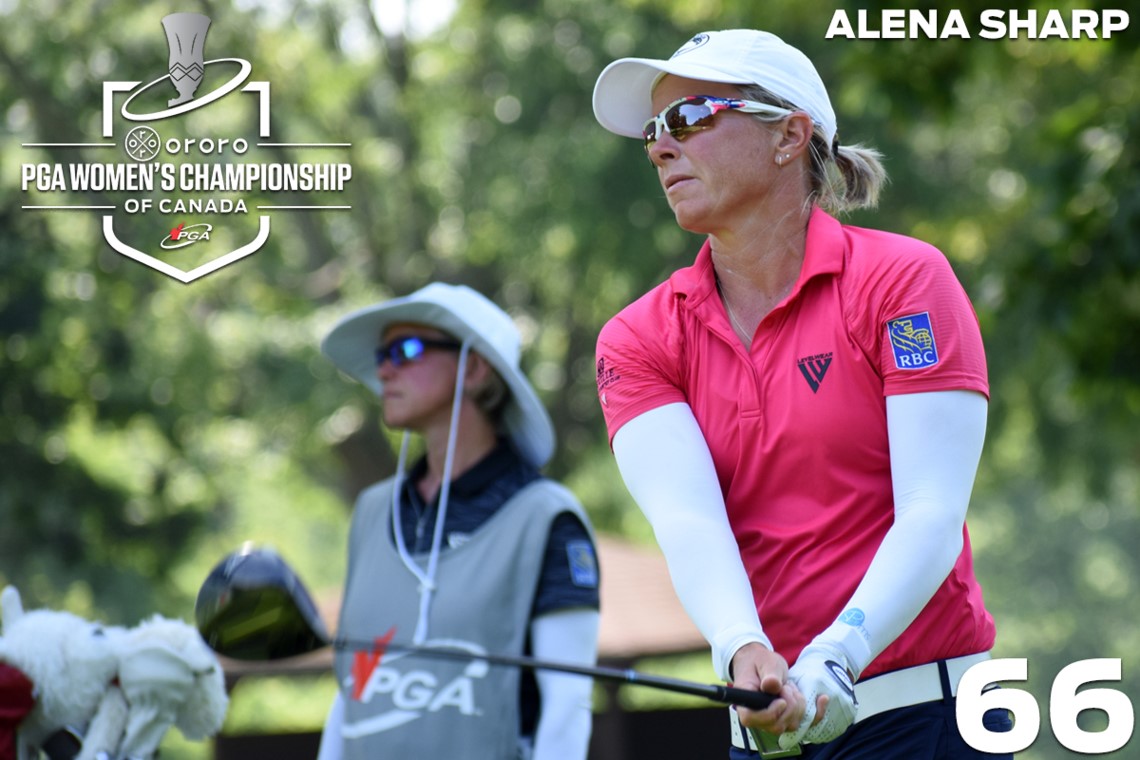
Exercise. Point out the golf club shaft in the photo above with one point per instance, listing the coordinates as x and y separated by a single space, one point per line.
728 695
254 607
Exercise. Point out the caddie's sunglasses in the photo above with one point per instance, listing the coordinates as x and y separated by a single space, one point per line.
410 348
693 113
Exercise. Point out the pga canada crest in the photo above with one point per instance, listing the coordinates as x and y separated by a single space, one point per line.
186 177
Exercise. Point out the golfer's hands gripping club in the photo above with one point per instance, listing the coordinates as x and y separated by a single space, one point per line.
821 673
758 668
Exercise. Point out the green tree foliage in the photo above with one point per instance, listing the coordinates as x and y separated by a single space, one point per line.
149 426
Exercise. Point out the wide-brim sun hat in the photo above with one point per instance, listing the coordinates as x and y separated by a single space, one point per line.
623 94
468 316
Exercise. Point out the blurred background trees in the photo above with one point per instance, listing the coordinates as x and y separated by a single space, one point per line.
148 427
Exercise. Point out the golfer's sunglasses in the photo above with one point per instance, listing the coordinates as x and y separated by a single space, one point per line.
693 113
410 348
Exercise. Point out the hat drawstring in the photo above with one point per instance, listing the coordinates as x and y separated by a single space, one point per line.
427 578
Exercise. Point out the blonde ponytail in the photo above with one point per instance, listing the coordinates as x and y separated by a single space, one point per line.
852 178
843 177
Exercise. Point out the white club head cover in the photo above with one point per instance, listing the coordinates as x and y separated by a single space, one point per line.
170 678
155 680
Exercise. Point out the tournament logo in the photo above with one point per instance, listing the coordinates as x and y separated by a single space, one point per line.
412 692
607 376
184 235
912 341
185 150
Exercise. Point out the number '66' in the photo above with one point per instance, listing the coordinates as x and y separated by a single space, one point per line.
1065 703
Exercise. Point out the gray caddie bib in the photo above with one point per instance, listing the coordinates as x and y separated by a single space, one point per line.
409 706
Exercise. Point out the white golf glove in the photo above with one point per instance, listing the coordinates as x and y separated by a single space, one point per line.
822 669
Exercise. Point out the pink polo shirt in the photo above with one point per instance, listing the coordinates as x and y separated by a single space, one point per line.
797 425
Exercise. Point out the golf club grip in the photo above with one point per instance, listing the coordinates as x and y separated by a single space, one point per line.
716 693
753 700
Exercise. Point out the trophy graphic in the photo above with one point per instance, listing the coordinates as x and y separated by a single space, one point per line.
186 38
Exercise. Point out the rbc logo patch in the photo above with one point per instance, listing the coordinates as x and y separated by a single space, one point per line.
583 564
912 341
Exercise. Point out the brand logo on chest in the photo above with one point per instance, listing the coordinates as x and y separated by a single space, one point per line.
813 368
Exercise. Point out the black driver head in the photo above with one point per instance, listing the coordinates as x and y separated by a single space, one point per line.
252 606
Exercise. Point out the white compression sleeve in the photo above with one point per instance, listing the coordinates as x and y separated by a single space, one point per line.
332 743
666 465
566 715
936 442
